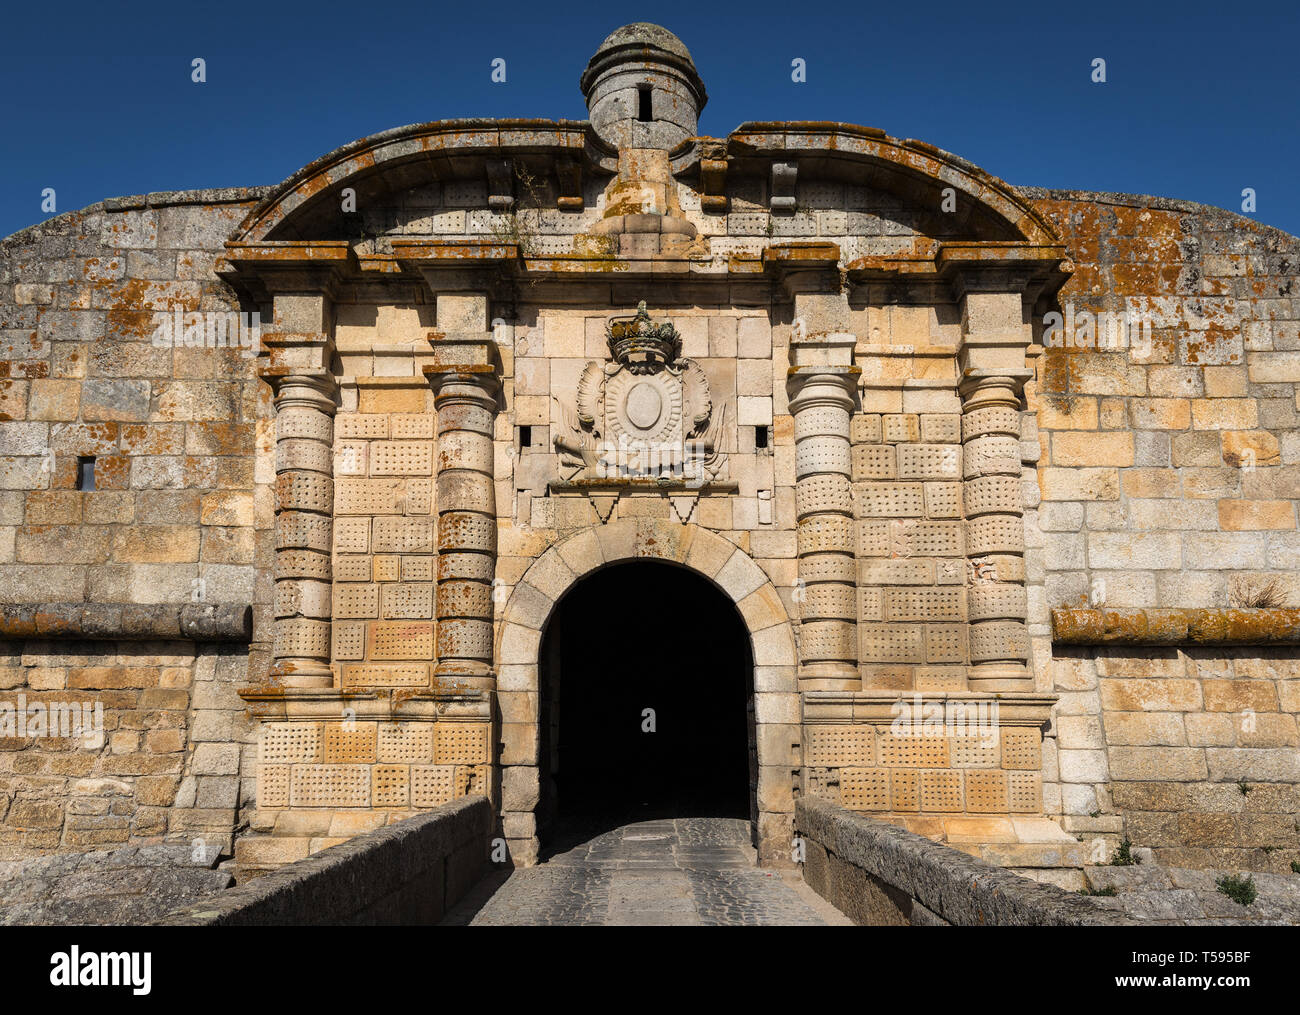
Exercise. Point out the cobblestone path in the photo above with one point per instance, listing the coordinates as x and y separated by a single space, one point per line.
669 872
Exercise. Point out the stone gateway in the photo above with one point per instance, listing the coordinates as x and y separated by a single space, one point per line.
603 469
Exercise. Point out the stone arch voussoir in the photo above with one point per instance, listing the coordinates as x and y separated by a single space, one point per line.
726 565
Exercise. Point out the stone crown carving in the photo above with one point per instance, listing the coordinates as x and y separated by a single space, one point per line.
639 344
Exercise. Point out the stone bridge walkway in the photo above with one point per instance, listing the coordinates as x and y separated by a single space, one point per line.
669 872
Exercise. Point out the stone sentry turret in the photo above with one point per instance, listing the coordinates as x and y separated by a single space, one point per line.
642 89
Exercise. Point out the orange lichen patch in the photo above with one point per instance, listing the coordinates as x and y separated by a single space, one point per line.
289 251
112 472
1140 279
634 198
566 264
31 370
986 251
1059 371
741 264
33 342
1146 222
1175 627
453 250
595 247
137 323
1204 347
97 269
1144 249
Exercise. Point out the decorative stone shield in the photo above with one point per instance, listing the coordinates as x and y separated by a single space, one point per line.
644 414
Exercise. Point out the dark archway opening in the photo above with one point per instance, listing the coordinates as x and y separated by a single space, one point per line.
646 703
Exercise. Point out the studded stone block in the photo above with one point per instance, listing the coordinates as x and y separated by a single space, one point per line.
839 745
350 742
273 786
1021 749
290 743
941 791
460 743
1025 792
864 789
330 786
887 643
432 785
385 675
899 751
406 742
390 786
986 792
906 789
399 640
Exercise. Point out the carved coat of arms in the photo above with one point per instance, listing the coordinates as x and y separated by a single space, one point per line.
645 413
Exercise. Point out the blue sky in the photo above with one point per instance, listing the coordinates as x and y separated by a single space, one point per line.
1198 103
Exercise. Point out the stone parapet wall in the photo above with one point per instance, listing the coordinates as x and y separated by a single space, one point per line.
879 874
1167 487
410 872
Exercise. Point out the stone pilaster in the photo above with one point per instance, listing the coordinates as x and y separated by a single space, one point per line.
995 335
465 383
304 505
822 396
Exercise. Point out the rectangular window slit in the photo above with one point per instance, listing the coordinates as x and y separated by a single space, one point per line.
643 104
85 472
525 437
760 437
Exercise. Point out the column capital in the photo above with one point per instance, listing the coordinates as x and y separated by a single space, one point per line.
302 390
813 385
992 387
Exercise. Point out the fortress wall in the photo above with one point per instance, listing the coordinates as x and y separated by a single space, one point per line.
179 513
1169 477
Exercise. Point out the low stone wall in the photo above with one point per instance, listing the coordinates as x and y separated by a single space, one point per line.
880 875
410 872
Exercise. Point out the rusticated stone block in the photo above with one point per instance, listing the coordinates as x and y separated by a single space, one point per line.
350 744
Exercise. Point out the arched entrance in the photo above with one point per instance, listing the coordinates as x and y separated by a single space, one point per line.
523 759
646 706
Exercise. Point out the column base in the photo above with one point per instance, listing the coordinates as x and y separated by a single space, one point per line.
994 677
301 673
829 676
458 675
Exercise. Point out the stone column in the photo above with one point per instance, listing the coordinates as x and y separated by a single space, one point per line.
992 358
304 507
821 401
465 383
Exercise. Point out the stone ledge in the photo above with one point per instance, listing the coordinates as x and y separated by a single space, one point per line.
126 886
128 621
1176 627
880 874
408 872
